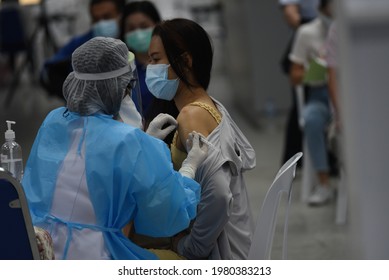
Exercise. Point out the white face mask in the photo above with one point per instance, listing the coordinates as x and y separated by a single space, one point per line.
129 114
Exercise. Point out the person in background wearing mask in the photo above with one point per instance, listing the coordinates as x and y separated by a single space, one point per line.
137 24
89 175
309 46
105 16
180 70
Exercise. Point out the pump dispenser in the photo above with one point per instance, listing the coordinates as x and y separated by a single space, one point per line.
11 154
9 134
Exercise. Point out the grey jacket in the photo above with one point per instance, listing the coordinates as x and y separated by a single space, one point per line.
223 227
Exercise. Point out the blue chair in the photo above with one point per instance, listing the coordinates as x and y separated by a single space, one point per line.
17 237
262 241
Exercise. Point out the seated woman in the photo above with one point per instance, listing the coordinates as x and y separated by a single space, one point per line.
89 175
180 68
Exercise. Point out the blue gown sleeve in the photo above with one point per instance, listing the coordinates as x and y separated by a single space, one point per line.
166 200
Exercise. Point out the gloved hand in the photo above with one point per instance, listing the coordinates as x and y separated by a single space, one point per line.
197 153
155 127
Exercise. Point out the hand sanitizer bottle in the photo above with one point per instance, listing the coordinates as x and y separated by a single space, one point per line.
11 154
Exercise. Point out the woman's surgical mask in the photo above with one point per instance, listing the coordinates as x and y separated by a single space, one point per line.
139 40
158 83
106 28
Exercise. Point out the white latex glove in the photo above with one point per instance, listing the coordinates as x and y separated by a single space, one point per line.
197 153
155 127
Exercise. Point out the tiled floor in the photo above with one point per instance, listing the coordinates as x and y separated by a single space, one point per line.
313 234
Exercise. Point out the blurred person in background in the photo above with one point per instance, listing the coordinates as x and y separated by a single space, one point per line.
308 46
137 24
295 12
180 67
89 175
105 16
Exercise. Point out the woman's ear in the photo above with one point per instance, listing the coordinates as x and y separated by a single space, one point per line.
187 59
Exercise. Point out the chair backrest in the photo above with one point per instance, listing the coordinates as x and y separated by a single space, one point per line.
262 241
17 235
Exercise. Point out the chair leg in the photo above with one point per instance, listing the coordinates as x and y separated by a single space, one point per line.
308 178
341 201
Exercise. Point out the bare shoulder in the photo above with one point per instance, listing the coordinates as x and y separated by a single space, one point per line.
193 118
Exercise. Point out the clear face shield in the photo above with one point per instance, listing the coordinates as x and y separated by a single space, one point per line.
131 107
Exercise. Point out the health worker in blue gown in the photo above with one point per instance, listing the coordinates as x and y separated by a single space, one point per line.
89 175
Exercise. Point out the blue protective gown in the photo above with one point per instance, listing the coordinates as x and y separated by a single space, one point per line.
129 177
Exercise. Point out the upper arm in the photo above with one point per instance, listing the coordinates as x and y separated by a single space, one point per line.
301 45
214 211
299 57
292 15
191 118
296 73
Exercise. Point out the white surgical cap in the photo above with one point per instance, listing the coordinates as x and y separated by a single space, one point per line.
101 73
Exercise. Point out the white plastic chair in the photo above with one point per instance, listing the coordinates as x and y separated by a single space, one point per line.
308 174
262 241
341 200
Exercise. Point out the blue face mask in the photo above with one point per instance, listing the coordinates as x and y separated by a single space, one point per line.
139 40
106 28
158 83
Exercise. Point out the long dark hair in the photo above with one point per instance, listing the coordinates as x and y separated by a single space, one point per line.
183 36
161 106
118 3
324 3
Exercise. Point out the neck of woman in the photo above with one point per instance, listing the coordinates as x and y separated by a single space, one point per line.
186 95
